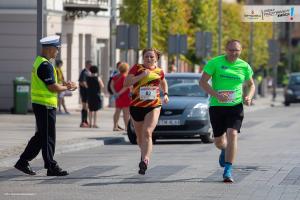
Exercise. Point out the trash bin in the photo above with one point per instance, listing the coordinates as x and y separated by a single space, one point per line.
21 95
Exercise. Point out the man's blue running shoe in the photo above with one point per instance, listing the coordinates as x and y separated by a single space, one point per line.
222 158
227 177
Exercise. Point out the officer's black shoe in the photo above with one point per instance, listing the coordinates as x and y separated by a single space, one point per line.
24 167
56 171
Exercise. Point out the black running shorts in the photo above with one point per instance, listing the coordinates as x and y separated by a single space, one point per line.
224 117
138 113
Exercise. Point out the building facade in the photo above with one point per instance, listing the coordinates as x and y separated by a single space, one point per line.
84 36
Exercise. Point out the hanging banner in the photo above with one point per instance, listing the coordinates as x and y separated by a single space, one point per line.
271 13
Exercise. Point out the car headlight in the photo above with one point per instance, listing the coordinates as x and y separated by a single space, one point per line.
289 91
199 110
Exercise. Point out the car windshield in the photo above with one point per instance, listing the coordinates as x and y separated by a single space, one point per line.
295 80
181 86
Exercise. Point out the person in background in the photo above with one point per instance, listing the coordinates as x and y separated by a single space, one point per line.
145 105
172 68
111 89
83 93
94 87
114 72
60 80
122 96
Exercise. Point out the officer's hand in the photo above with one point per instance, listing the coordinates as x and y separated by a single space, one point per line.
71 85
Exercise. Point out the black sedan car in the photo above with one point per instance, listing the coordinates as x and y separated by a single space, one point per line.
292 91
186 114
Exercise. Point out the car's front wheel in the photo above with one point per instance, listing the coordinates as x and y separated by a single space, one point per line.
131 133
208 138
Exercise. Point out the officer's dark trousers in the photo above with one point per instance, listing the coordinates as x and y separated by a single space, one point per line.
44 137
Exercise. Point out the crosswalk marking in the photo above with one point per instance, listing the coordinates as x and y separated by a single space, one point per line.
19 194
14 173
89 176
285 124
250 124
239 173
156 174
163 171
78 175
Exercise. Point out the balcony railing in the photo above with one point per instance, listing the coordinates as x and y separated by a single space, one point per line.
78 6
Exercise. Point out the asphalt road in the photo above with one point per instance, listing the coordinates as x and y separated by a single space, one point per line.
267 167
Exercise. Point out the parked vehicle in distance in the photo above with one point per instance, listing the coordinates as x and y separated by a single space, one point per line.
292 90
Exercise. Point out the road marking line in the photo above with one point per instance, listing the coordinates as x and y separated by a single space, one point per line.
19 194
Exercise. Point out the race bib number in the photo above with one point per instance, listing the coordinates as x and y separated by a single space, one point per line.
148 93
229 93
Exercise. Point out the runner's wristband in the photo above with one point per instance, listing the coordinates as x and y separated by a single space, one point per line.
166 94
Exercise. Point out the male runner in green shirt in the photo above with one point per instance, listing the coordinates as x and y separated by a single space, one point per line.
228 73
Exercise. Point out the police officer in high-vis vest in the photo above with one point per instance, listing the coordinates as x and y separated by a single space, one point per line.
44 89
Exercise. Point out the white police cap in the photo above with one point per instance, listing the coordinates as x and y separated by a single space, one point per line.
50 41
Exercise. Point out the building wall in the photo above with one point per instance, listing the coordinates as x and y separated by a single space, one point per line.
85 33
17 4
18 44
17 50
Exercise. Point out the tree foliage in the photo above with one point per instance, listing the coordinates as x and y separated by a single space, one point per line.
190 16
168 16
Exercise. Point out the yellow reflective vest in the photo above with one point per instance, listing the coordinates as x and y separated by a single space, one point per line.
40 94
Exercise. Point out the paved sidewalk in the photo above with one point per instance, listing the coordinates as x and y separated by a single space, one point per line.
16 130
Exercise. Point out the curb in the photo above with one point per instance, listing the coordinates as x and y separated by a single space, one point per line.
85 144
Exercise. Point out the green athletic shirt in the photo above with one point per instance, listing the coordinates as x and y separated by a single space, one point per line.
229 78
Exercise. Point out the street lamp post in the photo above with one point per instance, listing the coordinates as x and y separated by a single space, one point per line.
149 24
290 47
39 25
113 34
177 51
251 43
220 28
250 57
